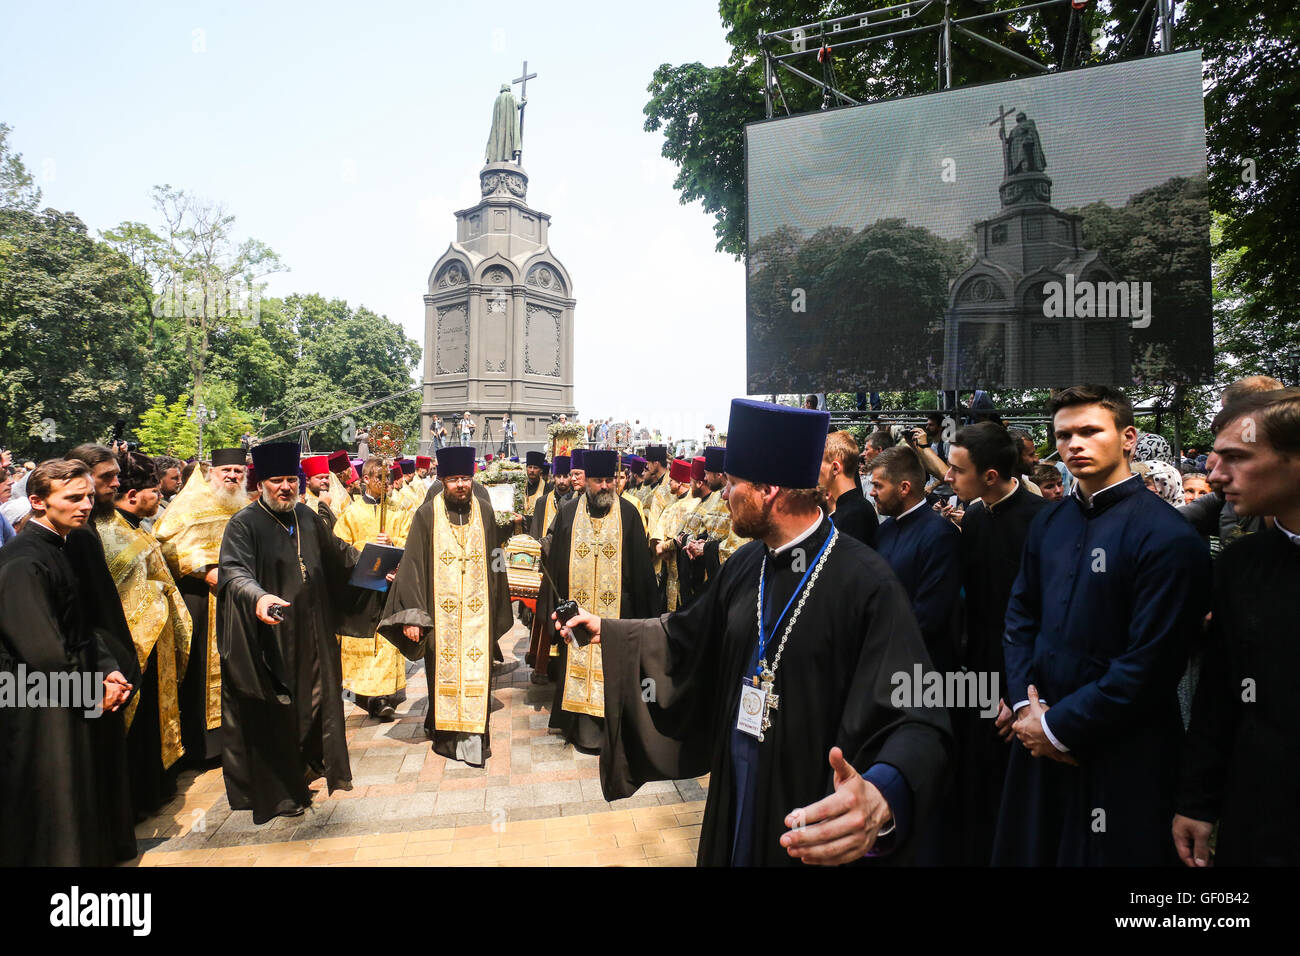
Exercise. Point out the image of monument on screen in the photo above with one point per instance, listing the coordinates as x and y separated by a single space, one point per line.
1028 234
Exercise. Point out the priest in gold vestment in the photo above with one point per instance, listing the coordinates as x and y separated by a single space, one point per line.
190 533
655 483
666 533
316 492
160 629
374 672
450 604
710 540
599 557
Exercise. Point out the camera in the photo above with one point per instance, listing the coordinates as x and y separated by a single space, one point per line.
565 611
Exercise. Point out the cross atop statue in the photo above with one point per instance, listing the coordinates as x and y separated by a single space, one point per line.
506 140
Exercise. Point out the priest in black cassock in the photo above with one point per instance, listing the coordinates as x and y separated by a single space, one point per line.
539 656
450 604
535 489
797 714
281 689
53 810
984 461
598 556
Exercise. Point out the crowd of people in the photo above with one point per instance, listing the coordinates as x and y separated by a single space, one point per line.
933 646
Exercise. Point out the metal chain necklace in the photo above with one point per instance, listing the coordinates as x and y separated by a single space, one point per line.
767 676
289 530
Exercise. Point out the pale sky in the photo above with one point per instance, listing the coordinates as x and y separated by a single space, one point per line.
344 135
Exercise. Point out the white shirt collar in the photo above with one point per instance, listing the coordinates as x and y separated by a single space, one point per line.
800 537
1295 538
916 507
1015 486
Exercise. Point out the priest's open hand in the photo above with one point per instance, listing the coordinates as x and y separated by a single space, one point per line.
839 828
1029 729
264 605
586 618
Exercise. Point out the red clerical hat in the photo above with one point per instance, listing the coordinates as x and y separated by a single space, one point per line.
315 465
679 470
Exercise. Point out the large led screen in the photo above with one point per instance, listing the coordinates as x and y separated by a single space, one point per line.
1039 232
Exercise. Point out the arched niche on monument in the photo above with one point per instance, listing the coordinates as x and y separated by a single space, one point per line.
453 275
547 277
980 289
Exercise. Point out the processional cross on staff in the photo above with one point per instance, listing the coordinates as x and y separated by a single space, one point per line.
388 445
522 80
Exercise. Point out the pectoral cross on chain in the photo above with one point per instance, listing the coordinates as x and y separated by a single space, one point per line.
771 701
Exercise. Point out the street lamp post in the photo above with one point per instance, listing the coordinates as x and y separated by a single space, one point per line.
201 415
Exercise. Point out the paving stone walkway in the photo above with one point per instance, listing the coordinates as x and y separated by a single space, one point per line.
537 802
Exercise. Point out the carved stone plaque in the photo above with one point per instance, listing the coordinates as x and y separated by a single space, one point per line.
542 341
452 340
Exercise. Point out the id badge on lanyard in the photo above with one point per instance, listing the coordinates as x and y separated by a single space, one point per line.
749 718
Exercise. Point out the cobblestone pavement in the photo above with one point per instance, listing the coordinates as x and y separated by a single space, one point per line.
537 802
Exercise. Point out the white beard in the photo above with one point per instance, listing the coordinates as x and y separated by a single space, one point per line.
231 497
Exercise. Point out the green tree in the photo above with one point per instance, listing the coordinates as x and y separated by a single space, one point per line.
168 429
68 356
703 110
18 189
874 297
1252 88
210 281
348 357
1159 236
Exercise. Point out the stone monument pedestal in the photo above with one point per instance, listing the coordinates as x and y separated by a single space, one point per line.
997 333
498 321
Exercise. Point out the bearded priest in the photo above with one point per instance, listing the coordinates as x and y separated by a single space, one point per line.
450 604
282 581
190 534
776 680
599 557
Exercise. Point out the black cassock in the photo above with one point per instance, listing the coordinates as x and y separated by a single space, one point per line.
1108 599
992 540
102 606
54 803
834 684
409 602
541 636
637 599
1242 755
281 686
